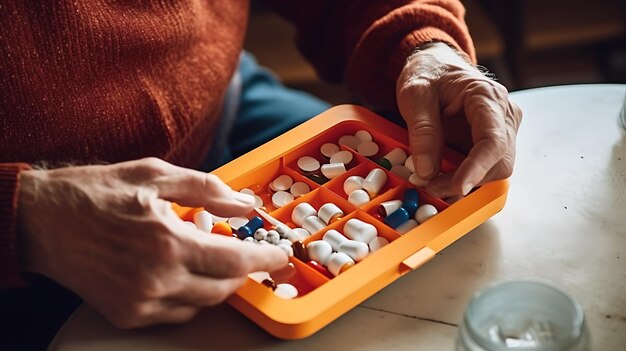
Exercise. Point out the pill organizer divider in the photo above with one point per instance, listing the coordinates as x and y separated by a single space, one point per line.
322 299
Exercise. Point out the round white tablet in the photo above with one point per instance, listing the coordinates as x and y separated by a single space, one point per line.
282 183
237 222
367 148
329 149
286 291
299 188
350 141
344 157
363 135
308 164
281 198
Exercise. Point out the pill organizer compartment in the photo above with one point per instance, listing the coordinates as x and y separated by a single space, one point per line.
321 299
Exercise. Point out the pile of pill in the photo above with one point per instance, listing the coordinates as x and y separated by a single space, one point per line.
285 190
337 161
404 215
306 217
336 253
361 190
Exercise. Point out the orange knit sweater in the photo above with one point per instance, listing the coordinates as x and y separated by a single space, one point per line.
90 80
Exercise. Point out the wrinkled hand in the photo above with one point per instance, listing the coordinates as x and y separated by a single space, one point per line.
109 234
446 100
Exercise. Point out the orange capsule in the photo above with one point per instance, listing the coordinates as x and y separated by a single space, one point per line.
222 228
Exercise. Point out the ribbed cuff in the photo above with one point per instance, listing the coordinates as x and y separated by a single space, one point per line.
9 264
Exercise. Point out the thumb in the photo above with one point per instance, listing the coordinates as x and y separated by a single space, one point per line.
422 116
192 188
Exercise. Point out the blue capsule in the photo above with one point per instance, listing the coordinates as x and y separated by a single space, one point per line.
411 201
249 228
398 217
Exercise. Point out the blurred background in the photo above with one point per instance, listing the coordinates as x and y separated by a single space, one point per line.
526 43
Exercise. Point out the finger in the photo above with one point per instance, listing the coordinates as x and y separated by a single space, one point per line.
218 256
489 133
421 111
192 188
200 290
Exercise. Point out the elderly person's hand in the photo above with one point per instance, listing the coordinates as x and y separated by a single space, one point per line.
446 100
109 234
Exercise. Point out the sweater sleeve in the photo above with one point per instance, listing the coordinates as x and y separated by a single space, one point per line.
9 183
364 43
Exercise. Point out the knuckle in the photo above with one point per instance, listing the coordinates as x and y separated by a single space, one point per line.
424 128
149 288
154 166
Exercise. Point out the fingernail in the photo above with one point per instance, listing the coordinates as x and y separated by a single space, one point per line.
245 198
424 165
467 188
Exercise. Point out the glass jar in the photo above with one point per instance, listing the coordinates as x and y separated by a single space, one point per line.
523 315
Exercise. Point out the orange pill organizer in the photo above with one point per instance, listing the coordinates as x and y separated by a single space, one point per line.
321 299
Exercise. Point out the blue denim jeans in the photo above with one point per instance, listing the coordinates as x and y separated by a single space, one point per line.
256 109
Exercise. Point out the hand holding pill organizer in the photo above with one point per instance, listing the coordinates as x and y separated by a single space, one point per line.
337 194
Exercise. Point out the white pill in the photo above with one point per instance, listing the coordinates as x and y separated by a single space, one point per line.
333 170
358 230
282 183
302 211
401 171
352 183
287 233
367 148
248 239
376 243
416 180
247 191
284 242
302 233
319 251
344 157
334 238
359 198
389 207
328 211
363 135
287 248
272 237
313 224
329 149
396 156
203 220
259 276
191 224
336 261
260 234
286 291
425 212
350 141
281 198
308 164
374 181
409 163
299 188
406 226
355 249
258 202
236 222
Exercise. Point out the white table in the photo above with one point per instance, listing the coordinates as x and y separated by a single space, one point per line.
564 223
